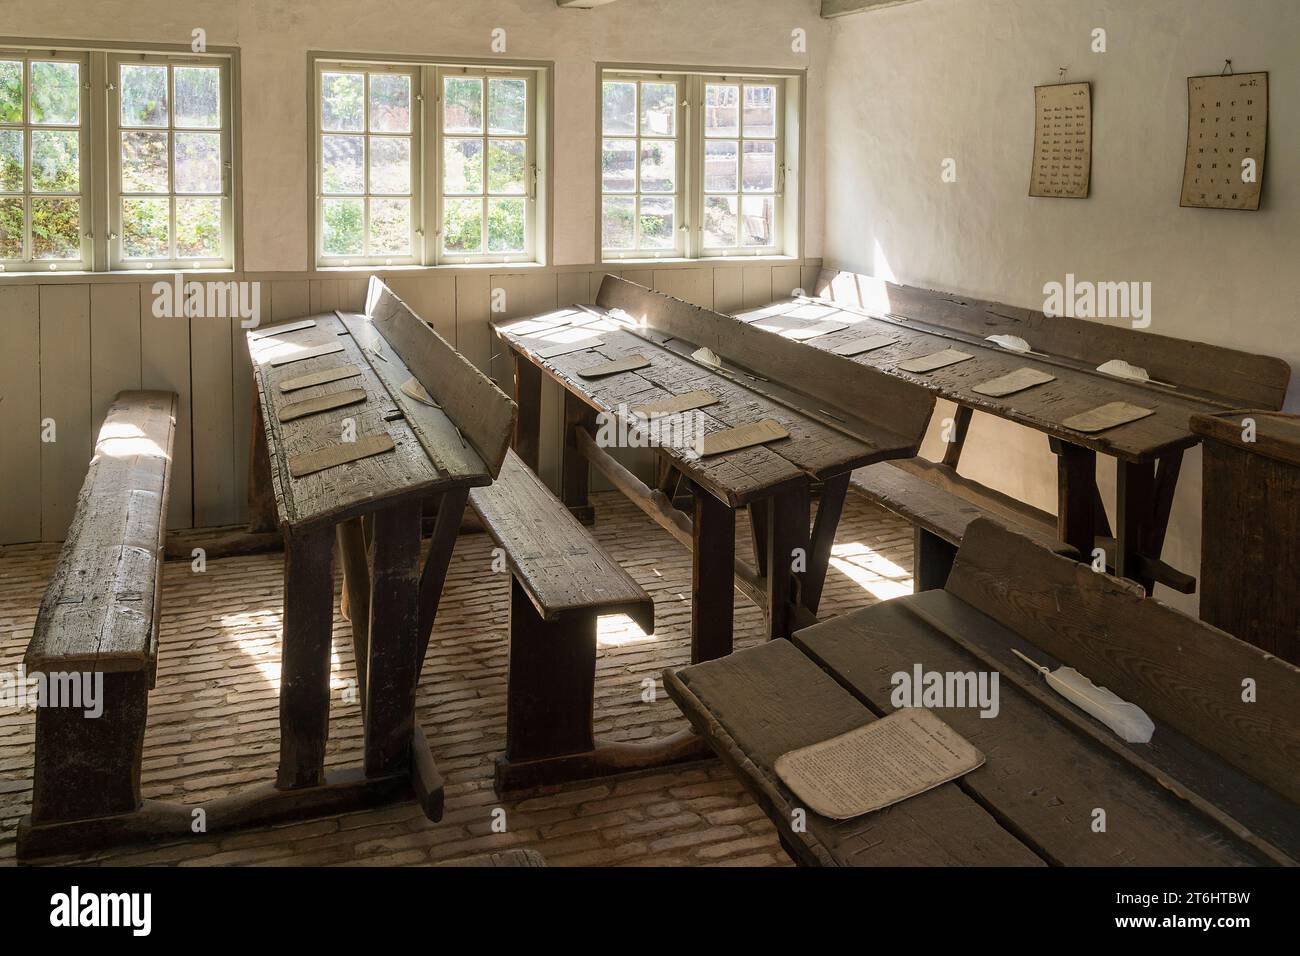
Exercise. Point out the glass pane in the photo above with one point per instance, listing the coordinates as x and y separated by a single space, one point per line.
757 221
505 166
658 165
760 111
341 101
658 109
508 107
341 226
390 103
390 227
760 167
719 222
11 228
721 110
462 225
505 225
198 227
462 166
56 95
11 91
340 161
144 162
198 163
56 162
56 228
616 220
462 104
11 160
618 166
144 95
720 159
145 228
618 108
657 223
198 97
390 165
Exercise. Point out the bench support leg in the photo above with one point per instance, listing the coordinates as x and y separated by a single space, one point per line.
932 559
575 477
713 570
451 511
1076 483
787 536
355 602
305 657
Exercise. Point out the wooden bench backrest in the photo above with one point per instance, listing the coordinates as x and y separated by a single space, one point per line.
1241 379
99 612
896 406
484 414
1182 671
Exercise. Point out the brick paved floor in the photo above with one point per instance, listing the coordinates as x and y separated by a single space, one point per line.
213 715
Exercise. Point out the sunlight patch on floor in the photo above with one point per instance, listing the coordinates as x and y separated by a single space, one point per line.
871 570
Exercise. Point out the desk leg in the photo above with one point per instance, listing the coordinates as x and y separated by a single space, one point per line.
451 509
787 533
1144 496
575 470
713 557
262 517
305 657
1076 487
528 422
829 509
355 602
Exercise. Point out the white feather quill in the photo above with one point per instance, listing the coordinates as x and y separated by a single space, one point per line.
1128 720
707 356
1012 343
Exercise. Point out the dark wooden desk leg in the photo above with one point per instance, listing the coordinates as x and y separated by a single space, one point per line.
355 601
394 634
262 517
787 532
758 532
451 509
829 509
1137 515
1076 496
713 557
961 425
528 423
305 657
575 470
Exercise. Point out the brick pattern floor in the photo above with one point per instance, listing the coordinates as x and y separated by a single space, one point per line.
213 715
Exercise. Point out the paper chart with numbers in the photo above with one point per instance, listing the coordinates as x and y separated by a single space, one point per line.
1227 123
1062 141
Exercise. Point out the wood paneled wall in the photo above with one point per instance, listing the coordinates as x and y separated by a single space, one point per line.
68 346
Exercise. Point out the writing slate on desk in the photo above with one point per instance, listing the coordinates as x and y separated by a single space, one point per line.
1227 123
1062 167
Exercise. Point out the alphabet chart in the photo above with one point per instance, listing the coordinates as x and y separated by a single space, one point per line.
1062 141
1227 130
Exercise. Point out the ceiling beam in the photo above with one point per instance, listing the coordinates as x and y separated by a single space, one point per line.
838 8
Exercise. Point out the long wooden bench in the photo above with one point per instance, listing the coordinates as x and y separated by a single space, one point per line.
1218 784
97 628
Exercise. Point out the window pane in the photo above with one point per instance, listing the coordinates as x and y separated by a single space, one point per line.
144 162
390 165
390 227
719 222
618 108
618 166
508 107
145 228
341 103
11 160
198 227
505 166
462 168
198 163
657 223
11 91
462 104
11 228
760 111
462 225
616 221
658 165
757 221
341 227
198 96
56 94
505 225
143 95
720 158
341 164
760 167
56 162
721 110
56 228
390 103
658 109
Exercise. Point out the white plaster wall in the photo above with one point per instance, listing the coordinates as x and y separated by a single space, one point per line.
909 86
274 37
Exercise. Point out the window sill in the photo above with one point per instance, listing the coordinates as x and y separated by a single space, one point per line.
681 261
444 267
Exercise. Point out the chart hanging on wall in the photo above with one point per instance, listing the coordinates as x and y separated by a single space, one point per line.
1062 141
1227 131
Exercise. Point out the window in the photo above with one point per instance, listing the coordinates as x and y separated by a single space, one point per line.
696 165
427 164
